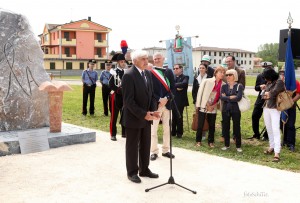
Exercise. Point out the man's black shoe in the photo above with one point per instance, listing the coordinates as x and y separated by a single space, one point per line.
264 139
134 179
124 136
153 157
113 138
149 175
168 154
292 148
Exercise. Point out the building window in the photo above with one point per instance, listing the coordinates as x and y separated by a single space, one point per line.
204 52
69 65
67 51
67 36
46 51
99 52
249 62
219 61
245 62
242 55
220 53
250 55
242 62
209 53
215 61
52 65
215 53
81 66
99 37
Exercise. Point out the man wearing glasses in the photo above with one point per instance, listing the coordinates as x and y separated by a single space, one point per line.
181 100
231 64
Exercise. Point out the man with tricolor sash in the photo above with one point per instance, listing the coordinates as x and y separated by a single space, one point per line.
163 88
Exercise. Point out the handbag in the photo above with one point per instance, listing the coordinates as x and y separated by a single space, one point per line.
244 103
284 100
195 122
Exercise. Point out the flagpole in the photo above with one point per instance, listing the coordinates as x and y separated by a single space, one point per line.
290 21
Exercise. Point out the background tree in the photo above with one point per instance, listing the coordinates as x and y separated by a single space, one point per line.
269 52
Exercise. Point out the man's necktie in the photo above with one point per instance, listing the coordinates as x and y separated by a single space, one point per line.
144 78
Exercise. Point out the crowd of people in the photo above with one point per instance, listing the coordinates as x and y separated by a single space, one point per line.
146 95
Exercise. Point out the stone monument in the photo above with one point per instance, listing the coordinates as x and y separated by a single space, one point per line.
22 105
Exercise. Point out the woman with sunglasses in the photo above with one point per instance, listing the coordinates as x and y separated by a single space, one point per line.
231 93
206 103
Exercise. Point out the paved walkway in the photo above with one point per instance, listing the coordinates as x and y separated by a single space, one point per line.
96 172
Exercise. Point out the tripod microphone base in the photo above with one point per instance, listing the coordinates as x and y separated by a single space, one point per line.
170 181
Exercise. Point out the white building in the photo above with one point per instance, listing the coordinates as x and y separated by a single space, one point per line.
243 58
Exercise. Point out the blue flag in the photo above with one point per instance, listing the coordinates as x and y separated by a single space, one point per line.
289 74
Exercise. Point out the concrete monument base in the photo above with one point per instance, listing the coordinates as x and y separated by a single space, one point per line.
70 134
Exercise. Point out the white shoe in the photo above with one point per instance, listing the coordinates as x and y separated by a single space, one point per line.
224 148
239 150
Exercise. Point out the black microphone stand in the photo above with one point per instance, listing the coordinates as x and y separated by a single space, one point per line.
171 178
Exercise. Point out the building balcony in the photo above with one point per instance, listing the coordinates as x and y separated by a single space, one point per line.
51 56
65 56
100 44
64 42
101 57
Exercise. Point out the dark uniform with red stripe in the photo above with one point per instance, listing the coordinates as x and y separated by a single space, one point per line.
116 101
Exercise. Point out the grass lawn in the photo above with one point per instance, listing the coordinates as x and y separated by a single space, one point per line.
252 150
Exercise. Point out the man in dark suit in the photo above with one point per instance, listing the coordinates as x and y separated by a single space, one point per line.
137 115
260 85
181 100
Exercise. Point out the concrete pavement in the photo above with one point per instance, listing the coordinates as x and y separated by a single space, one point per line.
96 172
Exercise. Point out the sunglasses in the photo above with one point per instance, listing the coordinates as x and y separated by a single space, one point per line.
175 68
229 75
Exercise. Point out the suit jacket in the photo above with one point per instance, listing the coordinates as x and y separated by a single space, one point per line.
158 89
137 98
181 86
259 81
210 72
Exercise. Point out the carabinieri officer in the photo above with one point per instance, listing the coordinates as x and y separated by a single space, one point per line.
89 79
